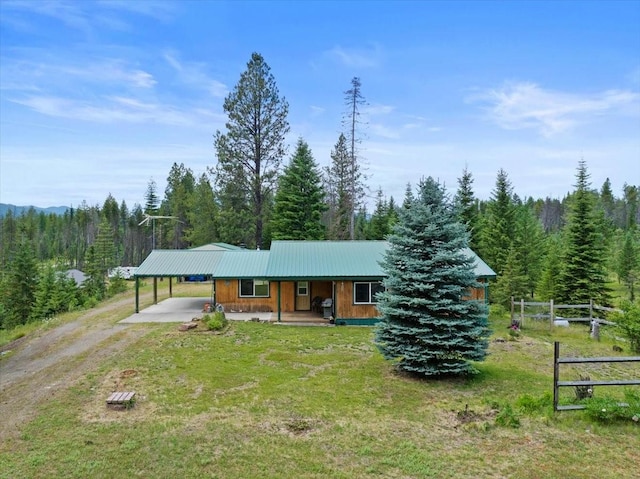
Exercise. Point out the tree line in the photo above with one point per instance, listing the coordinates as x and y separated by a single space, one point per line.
565 249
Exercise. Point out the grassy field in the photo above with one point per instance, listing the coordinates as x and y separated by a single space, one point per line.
273 401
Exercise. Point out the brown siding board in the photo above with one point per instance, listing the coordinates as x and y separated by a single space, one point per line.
344 303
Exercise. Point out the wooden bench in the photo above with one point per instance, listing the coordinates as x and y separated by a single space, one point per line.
121 399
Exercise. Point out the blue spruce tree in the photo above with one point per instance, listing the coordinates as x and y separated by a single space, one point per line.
427 327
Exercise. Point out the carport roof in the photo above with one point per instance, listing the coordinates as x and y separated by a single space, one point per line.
218 263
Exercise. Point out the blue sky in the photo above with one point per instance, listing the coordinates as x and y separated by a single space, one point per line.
100 97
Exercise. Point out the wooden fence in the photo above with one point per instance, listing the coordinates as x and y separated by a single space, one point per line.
557 384
551 312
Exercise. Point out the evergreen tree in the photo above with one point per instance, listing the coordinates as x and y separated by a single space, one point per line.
467 206
426 325
152 201
583 274
99 259
45 304
528 247
20 287
299 201
351 123
339 189
392 213
250 153
203 215
607 200
513 281
499 225
379 225
628 266
548 284
8 238
235 220
178 199
95 285
631 206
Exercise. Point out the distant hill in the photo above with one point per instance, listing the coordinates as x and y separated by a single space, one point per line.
18 210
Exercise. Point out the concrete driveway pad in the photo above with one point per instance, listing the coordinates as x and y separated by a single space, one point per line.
182 310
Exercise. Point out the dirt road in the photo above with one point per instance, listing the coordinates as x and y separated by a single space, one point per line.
40 366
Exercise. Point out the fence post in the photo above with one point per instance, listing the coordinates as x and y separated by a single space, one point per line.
595 329
512 310
521 312
590 310
552 317
556 374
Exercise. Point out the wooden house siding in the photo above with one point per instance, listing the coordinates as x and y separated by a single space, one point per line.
227 294
345 307
478 294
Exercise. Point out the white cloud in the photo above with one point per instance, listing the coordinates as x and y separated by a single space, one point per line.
84 15
194 74
384 131
377 109
526 105
36 74
116 109
317 110
356 57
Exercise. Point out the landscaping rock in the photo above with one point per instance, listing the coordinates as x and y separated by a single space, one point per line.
187 326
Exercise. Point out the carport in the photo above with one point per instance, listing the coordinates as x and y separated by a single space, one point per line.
176 264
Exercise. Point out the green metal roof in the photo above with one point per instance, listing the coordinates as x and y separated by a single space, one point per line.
217 247
179 262
218 263
325 259
242 264
286 260
482 269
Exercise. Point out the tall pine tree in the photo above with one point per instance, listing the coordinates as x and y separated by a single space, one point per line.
467 206
498 225
250 153
426 325
20 287
583 273
340 189
299 201
203 214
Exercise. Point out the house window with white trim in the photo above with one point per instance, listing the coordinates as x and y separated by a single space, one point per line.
254 288
365 293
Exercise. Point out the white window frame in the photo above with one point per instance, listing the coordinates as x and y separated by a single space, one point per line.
253 284
306 288
371 298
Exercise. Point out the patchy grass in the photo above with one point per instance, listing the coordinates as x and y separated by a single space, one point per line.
273 401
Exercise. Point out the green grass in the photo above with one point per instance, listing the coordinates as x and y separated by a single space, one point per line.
272 401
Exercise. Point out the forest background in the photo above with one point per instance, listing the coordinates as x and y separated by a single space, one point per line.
578 248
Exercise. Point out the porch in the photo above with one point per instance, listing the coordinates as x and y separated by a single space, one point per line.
186 308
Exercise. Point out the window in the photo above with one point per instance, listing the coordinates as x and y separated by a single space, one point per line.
258 288
365 293
303 288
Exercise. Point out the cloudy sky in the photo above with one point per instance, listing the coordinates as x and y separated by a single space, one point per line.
100 97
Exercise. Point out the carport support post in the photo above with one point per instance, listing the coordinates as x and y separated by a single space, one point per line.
137 298
155 290
279 297
170 288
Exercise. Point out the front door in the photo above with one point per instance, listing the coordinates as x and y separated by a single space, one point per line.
303 301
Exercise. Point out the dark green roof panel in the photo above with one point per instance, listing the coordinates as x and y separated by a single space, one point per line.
180 263
325 259
242 264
